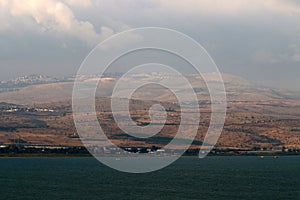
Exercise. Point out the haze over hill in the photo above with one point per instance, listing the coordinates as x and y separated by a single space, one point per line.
237 89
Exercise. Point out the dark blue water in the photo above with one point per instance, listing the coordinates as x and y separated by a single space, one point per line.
188 178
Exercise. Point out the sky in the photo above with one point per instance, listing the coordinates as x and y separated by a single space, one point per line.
258 40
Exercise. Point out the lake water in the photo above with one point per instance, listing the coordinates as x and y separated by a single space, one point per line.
188 178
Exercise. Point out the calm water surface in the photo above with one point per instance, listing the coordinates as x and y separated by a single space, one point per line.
188 178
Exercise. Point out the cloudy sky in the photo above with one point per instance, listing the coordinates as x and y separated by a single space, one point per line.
256 39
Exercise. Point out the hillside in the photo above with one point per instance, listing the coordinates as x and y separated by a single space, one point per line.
257 117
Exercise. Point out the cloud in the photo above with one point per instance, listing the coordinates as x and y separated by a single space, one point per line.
229 7
295 52
264 56
50 16
289 54
244 37
79 3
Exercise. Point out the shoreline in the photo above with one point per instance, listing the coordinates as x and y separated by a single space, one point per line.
56 155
